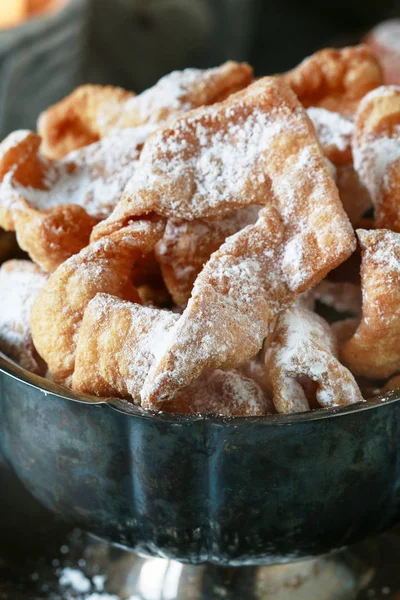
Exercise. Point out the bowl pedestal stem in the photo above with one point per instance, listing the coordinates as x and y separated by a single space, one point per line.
327 578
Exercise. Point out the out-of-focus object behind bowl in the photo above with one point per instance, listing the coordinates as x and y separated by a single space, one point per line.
41 61
384 40
135 42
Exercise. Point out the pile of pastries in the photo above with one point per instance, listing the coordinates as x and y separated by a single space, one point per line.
188 243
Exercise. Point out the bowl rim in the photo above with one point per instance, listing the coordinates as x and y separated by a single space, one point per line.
48 387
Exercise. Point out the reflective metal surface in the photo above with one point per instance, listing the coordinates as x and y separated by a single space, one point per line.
156 578
230 492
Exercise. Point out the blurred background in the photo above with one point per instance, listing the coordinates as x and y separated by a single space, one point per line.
47 47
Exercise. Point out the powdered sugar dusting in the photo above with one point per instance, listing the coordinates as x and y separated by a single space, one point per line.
187 245
381 249
93 177
332 128
227 393
304 346
13 140
306 202
343 296
372 161
300 234
387 34
181 91
218 157
171 95
20 283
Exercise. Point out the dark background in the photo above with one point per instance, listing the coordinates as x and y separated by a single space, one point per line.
134 42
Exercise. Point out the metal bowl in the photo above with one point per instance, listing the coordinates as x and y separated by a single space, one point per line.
230 491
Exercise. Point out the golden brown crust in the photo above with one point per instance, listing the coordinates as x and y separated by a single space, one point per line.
104 266
342 296
187 245
50 237
392 384
54 205
260 270
76 120
229 393
219 158
20 283
334 132
20 164
353 194
373 351
92 111
336 79
117 345
303 349
376 150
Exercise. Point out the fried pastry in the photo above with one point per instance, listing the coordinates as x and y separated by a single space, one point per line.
376 151
345 329
300 235
78 119
336 79
384 43
148 280
187 245
53 205
104 266
334 132
353 194
20 283
220 158
303 349
392 384
373 351
228 393
92 112
118 342
255 369
342 296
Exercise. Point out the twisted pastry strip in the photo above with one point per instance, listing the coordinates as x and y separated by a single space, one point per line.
374 351
298 238
392 384
78 119
118 342
334 132
105 266
342 296
216 159
20 283
91 112
384 43
353 194
302 366
53 205
376 151
187 245
335 79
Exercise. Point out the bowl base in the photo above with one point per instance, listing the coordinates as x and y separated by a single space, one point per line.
327 578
